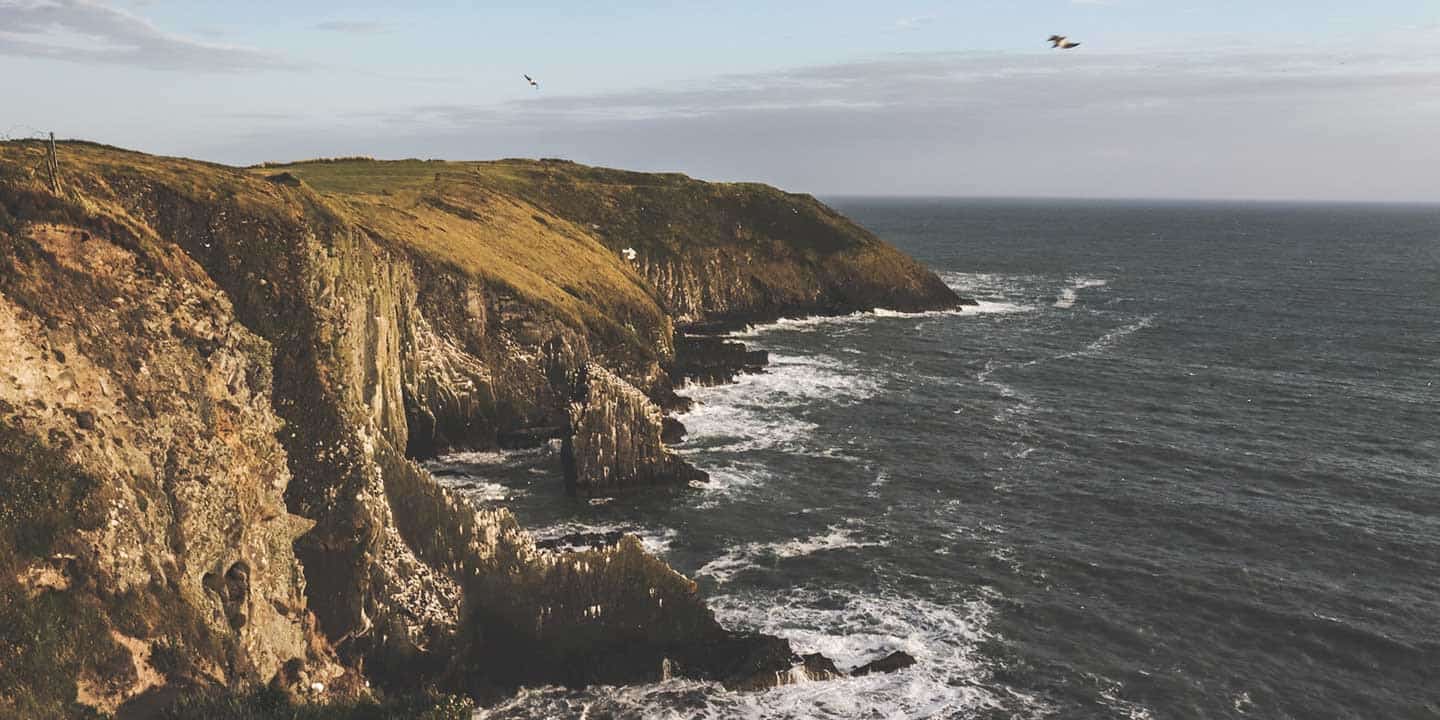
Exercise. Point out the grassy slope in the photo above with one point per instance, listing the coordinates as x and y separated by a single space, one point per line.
550 231
454 213
434 208
790 247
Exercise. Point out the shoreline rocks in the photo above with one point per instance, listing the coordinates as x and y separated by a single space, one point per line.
615 443
709 360
898 660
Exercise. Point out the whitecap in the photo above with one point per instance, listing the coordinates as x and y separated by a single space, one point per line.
882 479
1109 339
801 324
1069 295
729 480
751 555
751 413
1099 346
981 306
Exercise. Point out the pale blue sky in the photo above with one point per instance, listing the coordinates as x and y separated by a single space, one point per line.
1260 99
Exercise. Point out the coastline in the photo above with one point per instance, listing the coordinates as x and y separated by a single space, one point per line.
339 333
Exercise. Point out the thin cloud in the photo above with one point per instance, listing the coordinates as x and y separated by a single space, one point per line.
1223 124
352 27
914 23
84 31
972 82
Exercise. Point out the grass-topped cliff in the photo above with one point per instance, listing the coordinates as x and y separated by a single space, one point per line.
221 377
710 251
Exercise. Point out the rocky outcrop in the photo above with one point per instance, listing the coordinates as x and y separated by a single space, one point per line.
220 380
709 360
615 440
132 396
898 660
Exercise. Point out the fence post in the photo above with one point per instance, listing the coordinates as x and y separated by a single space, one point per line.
54 165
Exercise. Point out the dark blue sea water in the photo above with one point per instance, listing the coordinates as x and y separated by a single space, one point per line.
1183 461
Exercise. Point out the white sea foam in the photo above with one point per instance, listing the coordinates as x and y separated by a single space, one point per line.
1110 339
480 490
951 678
465 472
656 540
483 457
801 324
996 307
995 294
749 555
1110 697
983 306
751 414
1069 295
1098 347
882 479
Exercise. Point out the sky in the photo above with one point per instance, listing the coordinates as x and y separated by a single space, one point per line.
1225 99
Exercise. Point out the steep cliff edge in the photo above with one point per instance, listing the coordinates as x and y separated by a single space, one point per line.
204 364
726 252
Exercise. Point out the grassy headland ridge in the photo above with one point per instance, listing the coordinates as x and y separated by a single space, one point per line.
223 375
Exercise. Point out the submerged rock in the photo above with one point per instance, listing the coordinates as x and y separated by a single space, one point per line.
898 660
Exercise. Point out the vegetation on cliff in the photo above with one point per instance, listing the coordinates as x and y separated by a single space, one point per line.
219 377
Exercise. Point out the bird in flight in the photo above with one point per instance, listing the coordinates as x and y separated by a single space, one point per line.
1060 43
532 82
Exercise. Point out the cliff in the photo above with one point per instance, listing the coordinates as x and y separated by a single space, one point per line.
216 380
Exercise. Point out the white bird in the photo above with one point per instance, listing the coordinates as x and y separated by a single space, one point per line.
532 82
1060 43
629 253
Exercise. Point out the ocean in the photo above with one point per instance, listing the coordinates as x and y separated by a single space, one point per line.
1182 461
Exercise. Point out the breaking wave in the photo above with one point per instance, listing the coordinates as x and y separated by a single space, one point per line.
951 677
1069 295
756 555
750 414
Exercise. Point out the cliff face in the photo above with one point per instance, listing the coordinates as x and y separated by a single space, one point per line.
727 252
222 374
145 530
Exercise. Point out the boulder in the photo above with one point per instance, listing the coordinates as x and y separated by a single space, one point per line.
898 660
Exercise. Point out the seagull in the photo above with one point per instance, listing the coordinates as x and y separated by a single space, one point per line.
532 82
1060 43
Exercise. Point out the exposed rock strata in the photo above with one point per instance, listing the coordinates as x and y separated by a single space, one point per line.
615 442
225 363
124 362
731 252
709 360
